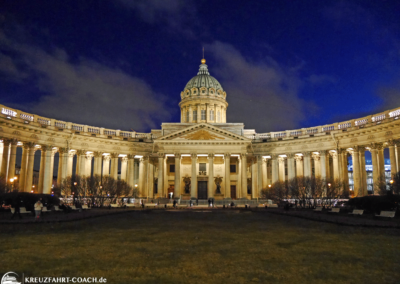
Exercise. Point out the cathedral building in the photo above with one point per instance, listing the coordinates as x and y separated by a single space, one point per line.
203 156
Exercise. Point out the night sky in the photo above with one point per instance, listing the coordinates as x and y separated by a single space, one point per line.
122 64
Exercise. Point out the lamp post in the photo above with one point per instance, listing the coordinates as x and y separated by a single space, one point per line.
12 180
391 185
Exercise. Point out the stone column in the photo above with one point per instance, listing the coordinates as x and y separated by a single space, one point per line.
345 170
13 156
193 190
114 166
47 171
398 154
211 189
198 113
244 175
177 186
239 179
322 155
307 164
356 171
281 161
165 171
375 166
334 155
328 166
88 164
106 165
97 163
42 166
259 174
6 156
71 155
317 164
81 162
363 172
29 171
274 165
160 182
299 165
150 177
381 161
264 173
124 162
24 165
50 181
254 178
131 170
392 155
61 153
143 182
227 157
290 161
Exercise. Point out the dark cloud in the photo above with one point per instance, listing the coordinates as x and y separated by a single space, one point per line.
83 91
176 15
263 95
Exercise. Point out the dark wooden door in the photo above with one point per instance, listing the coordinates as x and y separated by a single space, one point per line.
233 191
202 190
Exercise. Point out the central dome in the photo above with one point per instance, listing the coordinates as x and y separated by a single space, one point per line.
203 99
203 79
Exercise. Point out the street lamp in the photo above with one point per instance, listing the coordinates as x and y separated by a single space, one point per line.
269 186
12 182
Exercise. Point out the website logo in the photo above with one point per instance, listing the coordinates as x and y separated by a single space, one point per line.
10 278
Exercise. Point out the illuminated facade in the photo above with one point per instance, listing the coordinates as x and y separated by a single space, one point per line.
203 156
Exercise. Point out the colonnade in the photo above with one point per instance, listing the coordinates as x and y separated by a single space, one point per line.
327 164
87 163
301 164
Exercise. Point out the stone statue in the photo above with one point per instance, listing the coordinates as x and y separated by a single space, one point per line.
218 181
186 180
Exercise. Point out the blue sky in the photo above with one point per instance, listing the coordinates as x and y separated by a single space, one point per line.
122 64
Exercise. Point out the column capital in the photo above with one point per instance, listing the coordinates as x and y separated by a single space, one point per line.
274 156
316 156
322 153
391 143
281 159
89 156
243 155
290 156
13 142
298 158
97 154
307 154
6 140
211 156
81 152
62 150
131 156
114 155
29 145
144 158
193 156
177 155
333 154
160 155
227 155
46 147
124 159
106 157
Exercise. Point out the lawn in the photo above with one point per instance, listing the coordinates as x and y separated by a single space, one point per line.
202 247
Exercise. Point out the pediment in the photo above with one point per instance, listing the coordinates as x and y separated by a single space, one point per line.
201 132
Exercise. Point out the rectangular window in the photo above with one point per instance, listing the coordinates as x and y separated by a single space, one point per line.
218 116
203 114
187 116
194 115
202 167
171 168
233 168
211 115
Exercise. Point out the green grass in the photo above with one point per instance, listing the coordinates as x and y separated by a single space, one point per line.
197 247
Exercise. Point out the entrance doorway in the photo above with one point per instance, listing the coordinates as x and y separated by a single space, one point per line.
171 191
202 189
233 191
